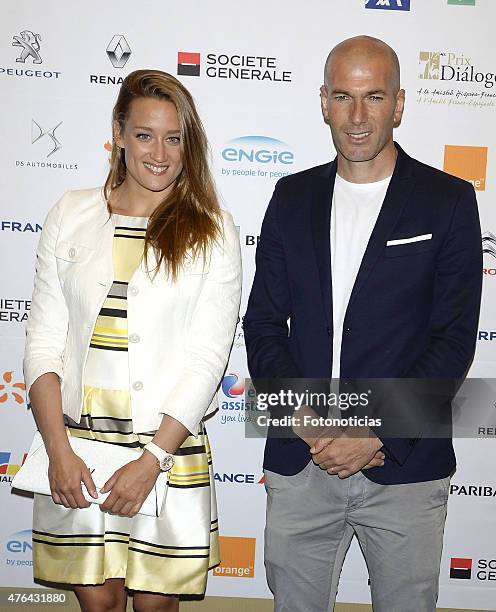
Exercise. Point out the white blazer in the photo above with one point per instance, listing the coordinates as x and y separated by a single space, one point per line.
185 328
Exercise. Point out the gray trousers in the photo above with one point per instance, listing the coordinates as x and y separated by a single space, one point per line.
312 518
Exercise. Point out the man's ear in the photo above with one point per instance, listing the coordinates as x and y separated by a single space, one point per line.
324 103
400 105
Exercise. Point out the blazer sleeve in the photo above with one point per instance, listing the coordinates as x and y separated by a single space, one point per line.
47 325
211 334
269 306
454 315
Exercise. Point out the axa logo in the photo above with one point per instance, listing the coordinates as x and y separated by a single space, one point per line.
461 568
188 63
233 386
30 46
118 51
38 132
258 149
389 5
11 390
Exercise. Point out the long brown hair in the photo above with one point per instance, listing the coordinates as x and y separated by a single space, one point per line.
188 220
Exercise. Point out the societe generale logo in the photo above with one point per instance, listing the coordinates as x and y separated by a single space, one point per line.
469 163
460 568
10 389
237 557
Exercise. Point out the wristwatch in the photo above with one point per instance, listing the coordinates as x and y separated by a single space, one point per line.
165 460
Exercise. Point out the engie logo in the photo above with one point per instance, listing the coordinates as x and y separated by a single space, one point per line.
469 163
188 64
238 557
18 549
389 5
258 149
460 568
232 385
9 389
251 155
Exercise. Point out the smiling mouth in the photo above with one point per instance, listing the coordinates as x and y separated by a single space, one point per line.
156 170
358 137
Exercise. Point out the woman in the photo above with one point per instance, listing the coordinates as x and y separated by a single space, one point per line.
133 314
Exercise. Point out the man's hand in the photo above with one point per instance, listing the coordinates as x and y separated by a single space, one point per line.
345 456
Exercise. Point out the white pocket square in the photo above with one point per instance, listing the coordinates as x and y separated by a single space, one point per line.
408 240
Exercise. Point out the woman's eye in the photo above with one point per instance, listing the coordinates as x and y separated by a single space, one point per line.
142 136
174 139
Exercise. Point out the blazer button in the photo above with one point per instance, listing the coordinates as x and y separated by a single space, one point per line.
72 253
138 385
134 338
133 290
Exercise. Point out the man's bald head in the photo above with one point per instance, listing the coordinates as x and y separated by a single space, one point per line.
364 47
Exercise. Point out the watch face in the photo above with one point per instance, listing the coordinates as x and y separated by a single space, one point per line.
167 463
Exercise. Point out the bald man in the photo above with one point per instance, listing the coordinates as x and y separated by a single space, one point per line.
375 262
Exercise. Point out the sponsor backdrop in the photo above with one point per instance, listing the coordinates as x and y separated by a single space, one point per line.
255 71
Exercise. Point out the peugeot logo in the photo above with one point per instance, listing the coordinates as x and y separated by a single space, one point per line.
30 44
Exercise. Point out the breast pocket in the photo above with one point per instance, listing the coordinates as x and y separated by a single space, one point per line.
410 248
72 253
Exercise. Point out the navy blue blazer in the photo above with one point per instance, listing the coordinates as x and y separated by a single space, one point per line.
413 310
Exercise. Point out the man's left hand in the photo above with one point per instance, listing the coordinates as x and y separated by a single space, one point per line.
345 456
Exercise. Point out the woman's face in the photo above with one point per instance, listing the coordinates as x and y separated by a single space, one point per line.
151 141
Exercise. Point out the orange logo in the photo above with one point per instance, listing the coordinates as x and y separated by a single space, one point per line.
468 163
237 557
107 146
9 389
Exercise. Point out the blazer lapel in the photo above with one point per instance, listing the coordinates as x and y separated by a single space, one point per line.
321 231
397 195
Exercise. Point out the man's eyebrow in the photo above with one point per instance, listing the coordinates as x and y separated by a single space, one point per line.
368 93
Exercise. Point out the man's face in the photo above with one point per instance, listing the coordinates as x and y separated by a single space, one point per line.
361 106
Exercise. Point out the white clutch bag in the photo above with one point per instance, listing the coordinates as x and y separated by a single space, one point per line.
102 459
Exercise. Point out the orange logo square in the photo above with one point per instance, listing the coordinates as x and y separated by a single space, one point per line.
237 557
469 163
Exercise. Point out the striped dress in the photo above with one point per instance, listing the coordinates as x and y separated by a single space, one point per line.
169 554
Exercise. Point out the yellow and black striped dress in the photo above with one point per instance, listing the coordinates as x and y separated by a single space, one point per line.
168 554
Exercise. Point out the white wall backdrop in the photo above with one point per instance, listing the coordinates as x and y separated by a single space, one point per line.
263 120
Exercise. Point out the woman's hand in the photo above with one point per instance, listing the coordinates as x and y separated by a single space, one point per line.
66 471
130 485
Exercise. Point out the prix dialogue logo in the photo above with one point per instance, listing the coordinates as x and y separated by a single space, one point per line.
7 469
14 310
118 52
17 549
388 5
28 46
232 66
461 569
469 163
489 250
451 73
257 156
46 141
11 390
238 557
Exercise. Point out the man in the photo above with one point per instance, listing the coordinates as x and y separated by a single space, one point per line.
375 260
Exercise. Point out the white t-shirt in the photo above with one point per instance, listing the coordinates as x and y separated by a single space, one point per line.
355 208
